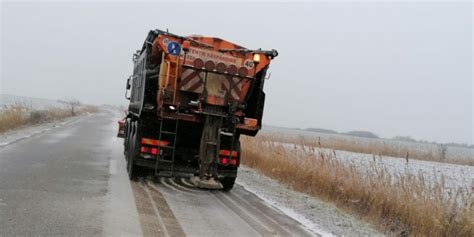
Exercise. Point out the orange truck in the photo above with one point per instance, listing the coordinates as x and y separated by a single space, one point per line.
190 99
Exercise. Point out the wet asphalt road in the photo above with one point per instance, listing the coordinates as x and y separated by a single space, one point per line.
71 181
54 183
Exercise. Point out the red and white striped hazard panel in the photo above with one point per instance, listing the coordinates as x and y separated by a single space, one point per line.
234 85
193 81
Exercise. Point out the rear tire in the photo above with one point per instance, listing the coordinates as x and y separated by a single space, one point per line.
227 183
133 153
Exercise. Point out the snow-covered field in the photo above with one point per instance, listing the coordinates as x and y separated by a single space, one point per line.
28 102
452 152
454 176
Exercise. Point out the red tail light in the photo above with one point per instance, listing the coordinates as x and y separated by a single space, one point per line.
228 153
224 160
149 150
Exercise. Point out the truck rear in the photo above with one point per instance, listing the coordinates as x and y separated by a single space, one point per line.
190 100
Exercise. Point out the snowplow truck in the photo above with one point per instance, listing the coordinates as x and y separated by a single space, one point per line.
190 100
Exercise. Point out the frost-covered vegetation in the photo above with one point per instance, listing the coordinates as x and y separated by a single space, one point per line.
401 200
17 111
446 153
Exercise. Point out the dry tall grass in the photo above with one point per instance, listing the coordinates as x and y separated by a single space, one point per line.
13 117
402 205
378 148
17 116
57 113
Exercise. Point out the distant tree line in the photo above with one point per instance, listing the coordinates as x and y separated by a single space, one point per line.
367 134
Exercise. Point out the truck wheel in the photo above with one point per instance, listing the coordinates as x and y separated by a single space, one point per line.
133 152
227 183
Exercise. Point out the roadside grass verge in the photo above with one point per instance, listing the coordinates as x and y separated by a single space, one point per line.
13 117
16 116
377 147
404 204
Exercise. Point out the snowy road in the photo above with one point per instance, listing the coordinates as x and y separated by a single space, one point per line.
71 180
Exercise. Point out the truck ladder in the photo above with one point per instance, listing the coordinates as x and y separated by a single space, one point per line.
165 150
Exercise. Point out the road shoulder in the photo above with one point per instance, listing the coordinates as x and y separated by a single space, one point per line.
318 216
120 216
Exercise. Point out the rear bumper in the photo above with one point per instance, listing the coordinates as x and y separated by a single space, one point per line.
179 170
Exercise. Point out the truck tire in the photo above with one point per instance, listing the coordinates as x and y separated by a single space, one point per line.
133 153
128 142
227 183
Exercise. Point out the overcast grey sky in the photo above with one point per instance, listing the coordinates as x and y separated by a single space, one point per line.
395 68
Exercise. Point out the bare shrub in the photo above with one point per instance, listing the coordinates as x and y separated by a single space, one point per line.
38 116
73 104
58 113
